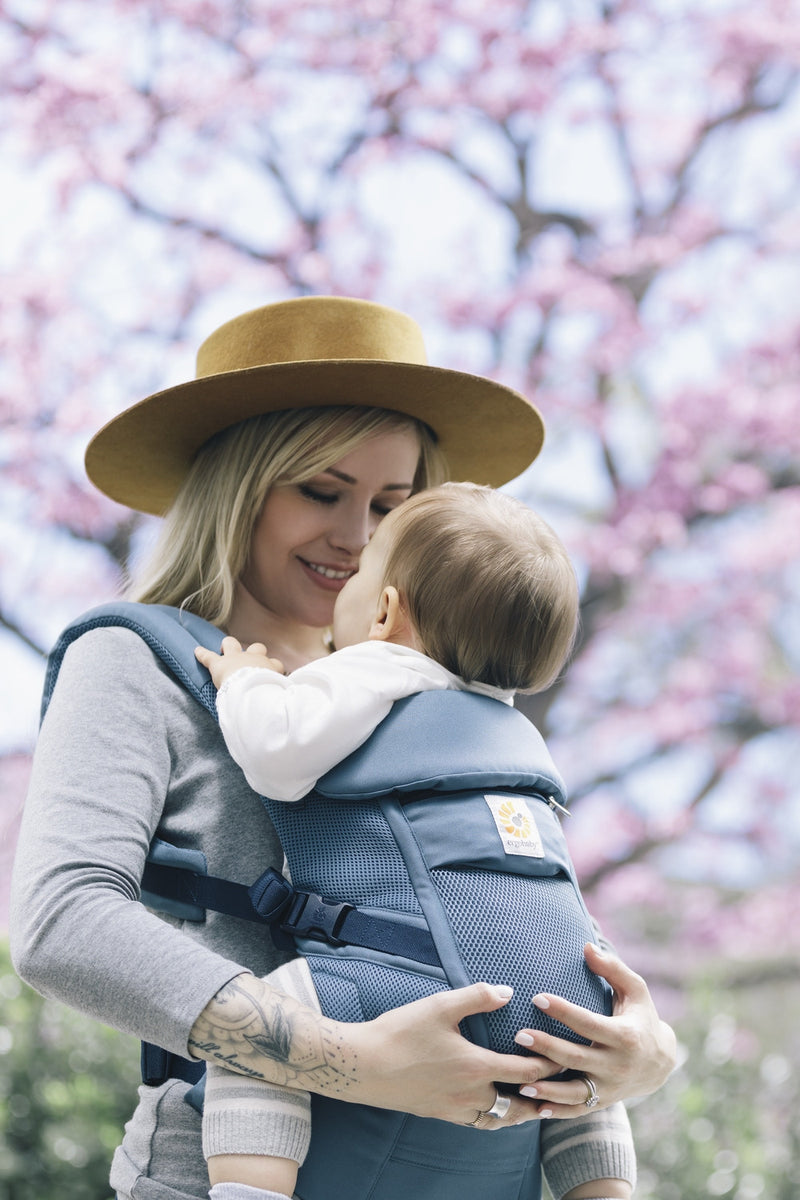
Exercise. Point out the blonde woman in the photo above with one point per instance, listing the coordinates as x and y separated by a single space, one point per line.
327 408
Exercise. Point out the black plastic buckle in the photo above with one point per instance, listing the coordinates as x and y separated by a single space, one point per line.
270 895
311 916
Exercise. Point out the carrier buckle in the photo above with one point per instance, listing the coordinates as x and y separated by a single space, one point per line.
311 916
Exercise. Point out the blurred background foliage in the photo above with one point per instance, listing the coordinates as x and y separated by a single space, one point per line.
67 1086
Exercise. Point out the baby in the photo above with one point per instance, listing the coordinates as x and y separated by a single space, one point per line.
462 588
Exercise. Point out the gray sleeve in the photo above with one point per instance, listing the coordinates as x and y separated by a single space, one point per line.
597 1146
103 773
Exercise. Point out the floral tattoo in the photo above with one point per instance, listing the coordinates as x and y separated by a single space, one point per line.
273 1037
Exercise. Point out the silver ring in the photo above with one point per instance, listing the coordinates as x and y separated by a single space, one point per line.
592 1099
500 1107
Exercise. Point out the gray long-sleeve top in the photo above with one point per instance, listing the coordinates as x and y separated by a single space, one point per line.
126 754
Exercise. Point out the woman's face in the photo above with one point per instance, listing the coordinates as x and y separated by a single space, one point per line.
308 538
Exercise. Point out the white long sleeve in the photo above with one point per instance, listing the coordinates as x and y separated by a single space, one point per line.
287 731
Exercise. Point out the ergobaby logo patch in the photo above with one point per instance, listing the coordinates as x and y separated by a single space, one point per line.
516 826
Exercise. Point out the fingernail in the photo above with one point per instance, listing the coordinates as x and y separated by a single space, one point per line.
545 1113
541 1001
505 993
529 1090
523 1039
597 949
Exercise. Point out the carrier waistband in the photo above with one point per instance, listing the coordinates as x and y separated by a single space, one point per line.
272 901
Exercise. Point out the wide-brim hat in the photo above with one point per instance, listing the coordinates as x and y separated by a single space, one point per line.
312 352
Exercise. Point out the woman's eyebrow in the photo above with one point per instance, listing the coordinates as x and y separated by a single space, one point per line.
389 487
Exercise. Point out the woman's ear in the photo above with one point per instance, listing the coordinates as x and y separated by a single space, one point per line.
391 622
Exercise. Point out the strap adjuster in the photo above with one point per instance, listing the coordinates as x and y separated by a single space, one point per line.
313 917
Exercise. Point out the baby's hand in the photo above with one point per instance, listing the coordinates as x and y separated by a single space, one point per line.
233 658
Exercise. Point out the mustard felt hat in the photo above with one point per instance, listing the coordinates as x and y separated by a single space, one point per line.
312 352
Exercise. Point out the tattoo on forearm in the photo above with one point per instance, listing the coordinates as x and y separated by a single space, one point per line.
274 1038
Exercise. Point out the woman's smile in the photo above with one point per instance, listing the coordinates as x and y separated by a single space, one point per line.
331 578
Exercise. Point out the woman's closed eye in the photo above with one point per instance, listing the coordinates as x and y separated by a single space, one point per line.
317 494
322 496
383 510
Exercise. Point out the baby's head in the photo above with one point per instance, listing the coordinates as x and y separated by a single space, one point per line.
474 579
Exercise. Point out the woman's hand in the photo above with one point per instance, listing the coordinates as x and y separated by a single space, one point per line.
413 1058
419 1062
631 1052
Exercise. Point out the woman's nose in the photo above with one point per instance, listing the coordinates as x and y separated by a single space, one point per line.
353 530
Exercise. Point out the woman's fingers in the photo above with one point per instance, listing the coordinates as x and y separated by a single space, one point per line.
518 1112
629 1054
627 985
455 1005
566 1097
477 998
513 1069
435 1072
629 989
590 1025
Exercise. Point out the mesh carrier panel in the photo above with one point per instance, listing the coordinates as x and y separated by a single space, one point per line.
493 915
369 868
351 990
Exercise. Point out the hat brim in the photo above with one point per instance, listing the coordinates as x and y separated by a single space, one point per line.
488 433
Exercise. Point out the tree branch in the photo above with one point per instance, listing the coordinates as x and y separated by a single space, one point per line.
12 627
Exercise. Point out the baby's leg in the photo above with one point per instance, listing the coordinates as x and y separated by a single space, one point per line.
241 1191
596 1149
255 1133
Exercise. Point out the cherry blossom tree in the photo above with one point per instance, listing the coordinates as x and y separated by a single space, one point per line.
595 201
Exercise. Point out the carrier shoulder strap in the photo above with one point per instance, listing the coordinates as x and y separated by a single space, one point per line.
175 879
172 633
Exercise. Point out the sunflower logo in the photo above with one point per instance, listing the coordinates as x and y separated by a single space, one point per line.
515 819
516 825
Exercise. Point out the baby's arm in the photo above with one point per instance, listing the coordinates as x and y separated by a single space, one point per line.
234 657
591 1157
286 731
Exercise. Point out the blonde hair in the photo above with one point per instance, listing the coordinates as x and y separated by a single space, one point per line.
206 535
487 584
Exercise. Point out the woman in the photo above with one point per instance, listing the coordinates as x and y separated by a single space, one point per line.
308 421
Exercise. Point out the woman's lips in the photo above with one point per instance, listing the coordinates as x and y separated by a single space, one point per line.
328 577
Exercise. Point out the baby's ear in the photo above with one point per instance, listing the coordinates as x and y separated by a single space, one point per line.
391 620
385 615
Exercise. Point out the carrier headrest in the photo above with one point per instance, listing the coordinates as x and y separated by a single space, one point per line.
447 741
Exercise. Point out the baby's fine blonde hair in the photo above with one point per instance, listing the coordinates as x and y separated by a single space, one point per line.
206 536
487 584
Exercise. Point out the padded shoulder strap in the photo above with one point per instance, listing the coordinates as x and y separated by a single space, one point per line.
446 741
170 632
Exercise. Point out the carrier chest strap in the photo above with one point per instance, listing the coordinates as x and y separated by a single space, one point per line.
184 887
272 901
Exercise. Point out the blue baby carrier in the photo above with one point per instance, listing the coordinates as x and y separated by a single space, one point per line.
430 858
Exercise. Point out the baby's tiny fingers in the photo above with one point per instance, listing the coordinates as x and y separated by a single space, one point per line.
230 645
